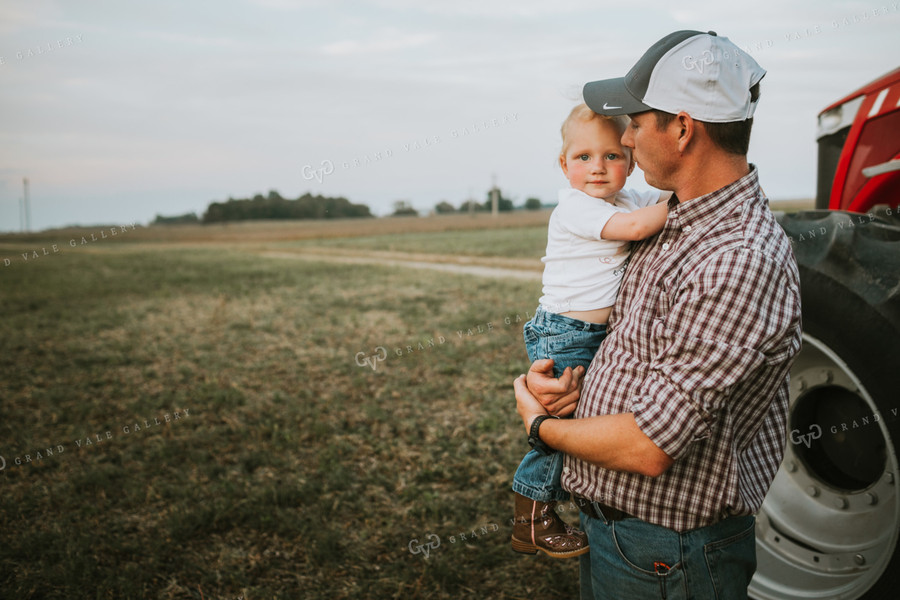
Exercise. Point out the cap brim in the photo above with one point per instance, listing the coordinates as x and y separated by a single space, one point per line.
611 97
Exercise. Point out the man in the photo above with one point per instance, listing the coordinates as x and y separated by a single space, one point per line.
681 419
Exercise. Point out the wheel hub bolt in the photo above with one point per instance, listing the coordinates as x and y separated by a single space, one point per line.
840 502
871 498
812 491
890 478
791 466
859 559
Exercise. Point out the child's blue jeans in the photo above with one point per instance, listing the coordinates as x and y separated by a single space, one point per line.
569 342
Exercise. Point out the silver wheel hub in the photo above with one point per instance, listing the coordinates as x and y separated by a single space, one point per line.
829 525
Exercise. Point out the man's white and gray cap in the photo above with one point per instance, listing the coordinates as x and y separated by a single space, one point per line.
702 74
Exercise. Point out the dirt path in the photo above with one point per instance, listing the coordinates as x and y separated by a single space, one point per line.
466 265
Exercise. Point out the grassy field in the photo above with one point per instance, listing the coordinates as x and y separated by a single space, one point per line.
183 417
525 243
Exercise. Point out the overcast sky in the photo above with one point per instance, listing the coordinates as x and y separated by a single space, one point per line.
117 111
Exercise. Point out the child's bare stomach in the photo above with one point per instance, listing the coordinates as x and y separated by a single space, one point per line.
598 315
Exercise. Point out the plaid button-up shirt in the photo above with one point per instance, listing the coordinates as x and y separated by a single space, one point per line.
700 342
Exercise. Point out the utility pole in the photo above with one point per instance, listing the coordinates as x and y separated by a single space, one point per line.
471 204
495 209
26 205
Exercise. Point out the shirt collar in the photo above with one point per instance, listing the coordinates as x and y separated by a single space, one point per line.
707 209
573 194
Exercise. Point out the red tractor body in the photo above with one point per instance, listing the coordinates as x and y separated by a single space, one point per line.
859 148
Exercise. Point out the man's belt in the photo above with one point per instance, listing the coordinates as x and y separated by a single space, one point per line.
594 509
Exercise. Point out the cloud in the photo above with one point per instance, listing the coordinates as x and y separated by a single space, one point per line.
288 5
169 37
385 42
521 9
22 16
173 102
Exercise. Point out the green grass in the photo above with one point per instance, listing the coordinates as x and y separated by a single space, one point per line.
297 473
524 242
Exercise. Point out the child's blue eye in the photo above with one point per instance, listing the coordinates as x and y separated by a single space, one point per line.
584 157
612 156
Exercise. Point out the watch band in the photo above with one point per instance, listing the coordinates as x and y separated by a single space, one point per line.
534 438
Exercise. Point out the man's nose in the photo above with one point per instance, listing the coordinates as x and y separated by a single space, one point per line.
627 138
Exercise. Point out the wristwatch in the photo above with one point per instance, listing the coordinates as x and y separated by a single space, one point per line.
534 438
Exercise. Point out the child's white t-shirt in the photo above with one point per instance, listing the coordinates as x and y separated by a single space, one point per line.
581 270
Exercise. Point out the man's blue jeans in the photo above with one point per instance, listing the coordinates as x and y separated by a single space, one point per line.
631 559
569 342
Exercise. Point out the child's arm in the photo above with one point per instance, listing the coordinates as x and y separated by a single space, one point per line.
638 224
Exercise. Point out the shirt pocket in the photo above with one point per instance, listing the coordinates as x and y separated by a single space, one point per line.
659 338
666 288
660 307
662 304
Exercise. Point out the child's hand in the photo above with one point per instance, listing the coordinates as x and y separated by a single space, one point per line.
557 396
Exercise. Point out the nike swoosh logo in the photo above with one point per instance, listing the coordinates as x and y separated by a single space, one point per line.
606 107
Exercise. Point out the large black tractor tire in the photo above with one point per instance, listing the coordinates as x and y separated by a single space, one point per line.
829 526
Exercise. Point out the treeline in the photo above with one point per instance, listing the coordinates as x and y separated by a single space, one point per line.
185 219
308 206
503 205
274 206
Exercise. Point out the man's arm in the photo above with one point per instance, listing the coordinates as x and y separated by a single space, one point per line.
610 441
707 345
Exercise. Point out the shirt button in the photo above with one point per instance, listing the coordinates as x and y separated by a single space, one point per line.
665 246
687 228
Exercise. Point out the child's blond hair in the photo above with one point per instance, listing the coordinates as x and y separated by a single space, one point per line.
582 113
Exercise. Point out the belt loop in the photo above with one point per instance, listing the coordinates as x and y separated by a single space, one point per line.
597 510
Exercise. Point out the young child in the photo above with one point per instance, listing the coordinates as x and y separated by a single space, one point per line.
587 252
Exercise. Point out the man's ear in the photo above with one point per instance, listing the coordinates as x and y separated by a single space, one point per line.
685 124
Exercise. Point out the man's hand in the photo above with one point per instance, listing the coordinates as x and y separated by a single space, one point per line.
526 404
557 397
